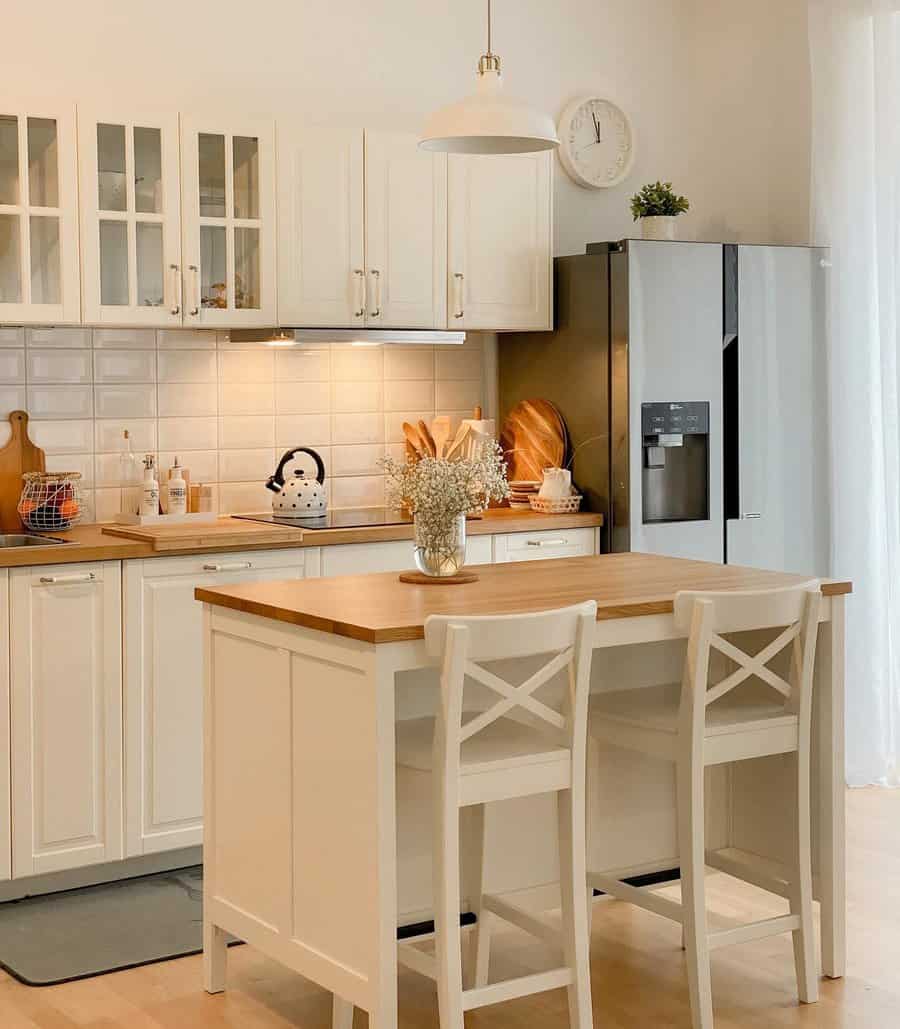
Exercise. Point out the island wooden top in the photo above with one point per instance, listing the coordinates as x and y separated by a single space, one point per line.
381 609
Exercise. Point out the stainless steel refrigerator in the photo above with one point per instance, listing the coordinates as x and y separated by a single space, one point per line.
692 379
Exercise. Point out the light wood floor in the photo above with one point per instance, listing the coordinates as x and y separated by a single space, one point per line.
638 970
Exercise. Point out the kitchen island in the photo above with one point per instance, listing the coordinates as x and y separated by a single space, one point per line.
315 848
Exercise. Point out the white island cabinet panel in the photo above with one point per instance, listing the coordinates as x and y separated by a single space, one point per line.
66 692
163 688
548 543
5 813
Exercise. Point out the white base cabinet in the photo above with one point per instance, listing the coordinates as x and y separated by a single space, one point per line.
163 688
66 716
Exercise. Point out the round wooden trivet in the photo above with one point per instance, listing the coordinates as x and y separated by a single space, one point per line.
418 579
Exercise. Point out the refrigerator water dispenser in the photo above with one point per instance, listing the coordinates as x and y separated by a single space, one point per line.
675 474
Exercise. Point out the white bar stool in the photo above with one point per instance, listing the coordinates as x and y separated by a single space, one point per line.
702 723
519 747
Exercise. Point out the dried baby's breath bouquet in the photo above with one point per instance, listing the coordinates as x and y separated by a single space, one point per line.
439 492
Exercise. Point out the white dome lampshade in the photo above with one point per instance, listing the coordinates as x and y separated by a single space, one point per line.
488 121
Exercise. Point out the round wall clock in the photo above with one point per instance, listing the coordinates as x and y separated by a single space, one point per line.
596 142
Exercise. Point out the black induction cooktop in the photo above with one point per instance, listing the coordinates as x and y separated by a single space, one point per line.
337 518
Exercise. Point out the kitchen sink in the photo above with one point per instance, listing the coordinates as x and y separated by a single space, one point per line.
28 540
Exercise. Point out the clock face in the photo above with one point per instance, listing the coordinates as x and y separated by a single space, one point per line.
596 143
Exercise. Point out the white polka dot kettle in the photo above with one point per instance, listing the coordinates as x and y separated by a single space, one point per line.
298 496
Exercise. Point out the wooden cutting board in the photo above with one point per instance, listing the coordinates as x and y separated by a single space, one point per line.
533 438
20 455
226 532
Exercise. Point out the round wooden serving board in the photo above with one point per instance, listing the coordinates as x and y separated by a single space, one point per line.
418 579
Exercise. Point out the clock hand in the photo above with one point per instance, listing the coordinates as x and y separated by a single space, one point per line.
596 127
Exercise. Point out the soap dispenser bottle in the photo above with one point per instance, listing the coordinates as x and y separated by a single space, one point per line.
178 494
149 489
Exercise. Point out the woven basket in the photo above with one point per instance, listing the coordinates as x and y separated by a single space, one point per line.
562 505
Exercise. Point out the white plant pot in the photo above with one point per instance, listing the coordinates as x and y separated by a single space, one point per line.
660 226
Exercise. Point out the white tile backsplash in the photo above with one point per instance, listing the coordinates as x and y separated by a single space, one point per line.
188 433
186 399
227 411
60 401
77 338
12 366
59 366
138 401
124 366
186 366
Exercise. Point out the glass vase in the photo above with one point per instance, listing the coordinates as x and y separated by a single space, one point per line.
440 545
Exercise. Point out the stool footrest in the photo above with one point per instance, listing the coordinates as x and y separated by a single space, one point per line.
753 931
523 986
641 896
532 924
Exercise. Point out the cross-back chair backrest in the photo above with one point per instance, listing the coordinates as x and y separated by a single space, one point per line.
465 645
708 617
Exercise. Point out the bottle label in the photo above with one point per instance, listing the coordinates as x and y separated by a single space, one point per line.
177 493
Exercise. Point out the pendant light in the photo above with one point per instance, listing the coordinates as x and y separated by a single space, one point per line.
488 121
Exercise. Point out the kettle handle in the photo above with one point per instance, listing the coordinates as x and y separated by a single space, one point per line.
276 482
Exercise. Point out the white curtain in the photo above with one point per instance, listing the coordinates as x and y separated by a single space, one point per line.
856 208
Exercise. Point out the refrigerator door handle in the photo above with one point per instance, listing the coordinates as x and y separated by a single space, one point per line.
751 514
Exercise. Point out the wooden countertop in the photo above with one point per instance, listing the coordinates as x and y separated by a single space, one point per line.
381 609
91 543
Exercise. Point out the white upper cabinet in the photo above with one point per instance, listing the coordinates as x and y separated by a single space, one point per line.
66 703
38 216
406 233
130 218
228 221
321 238
500 242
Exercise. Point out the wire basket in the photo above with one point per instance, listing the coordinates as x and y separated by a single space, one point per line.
51 501
561 505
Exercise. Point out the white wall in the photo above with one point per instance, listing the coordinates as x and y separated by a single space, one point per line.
698 78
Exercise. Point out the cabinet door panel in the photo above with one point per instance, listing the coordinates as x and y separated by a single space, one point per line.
321 261
39 279
406 233
130 202
228 222
66 716
164 690
500 241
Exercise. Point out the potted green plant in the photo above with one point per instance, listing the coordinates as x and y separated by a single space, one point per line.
657 206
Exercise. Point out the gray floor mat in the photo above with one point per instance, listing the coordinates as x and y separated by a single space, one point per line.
86 932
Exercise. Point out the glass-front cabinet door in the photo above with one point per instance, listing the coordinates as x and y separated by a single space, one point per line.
38 220
130 219
228 221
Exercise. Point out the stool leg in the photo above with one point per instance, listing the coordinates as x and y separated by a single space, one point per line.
692 850
573 883
448 942
801 892
479 956
341 1013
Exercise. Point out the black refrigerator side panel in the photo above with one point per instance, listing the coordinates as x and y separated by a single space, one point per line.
570 368
619 406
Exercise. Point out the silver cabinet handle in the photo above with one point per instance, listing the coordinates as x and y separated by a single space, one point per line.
361 285
195 310
561 542
61 580
234 566
751 514
458 279
176 279
376 275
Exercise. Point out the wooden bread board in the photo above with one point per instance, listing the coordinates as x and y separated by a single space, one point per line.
226 532
19 455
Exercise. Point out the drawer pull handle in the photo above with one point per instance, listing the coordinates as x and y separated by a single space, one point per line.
234 566
561 542
61 580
